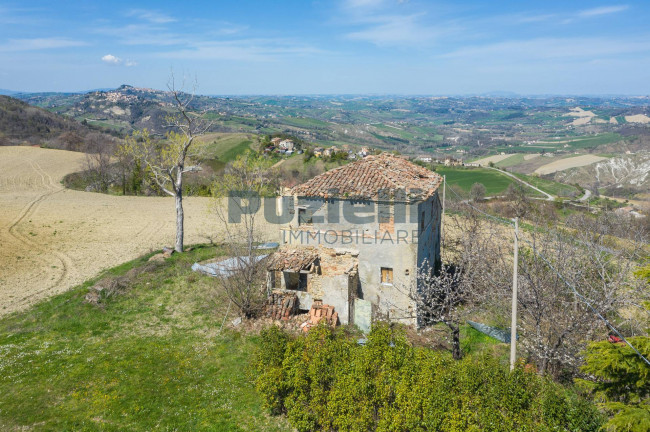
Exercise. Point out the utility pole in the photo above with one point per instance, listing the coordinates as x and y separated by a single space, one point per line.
442 219
513 324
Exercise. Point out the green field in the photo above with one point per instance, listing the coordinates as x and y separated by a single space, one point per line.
305 122
550 186
226 147
581 142
152 358
495 183
513 160
573 143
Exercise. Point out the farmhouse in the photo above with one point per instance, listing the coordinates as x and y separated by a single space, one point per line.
286 144
357 236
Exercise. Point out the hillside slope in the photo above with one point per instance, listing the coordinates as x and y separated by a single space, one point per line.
19 121
23 124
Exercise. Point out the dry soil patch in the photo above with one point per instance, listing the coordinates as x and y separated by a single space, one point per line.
52 238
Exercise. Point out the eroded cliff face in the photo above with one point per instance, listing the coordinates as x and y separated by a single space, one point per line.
627 171
623 171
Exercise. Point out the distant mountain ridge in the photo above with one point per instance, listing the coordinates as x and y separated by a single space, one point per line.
6 92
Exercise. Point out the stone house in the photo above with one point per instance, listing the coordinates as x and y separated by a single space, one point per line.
286 145
330 151
357 236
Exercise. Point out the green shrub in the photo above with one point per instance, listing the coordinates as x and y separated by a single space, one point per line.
325 381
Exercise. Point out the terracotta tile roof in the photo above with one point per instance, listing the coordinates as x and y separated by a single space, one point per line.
365 178
292 259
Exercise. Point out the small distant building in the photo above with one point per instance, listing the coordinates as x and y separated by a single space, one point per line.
629 211
286 144
365 151
450 161
330 151
276 140
425 159
318 151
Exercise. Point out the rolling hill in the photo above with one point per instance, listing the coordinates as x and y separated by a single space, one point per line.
23 124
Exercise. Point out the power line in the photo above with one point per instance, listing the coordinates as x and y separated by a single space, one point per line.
562 278
466 202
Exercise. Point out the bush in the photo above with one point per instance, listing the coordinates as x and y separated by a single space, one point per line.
325 381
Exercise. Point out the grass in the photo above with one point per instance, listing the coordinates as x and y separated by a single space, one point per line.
225 146
151 358
304 122
550 186
581 142
513 160
473 342
495 183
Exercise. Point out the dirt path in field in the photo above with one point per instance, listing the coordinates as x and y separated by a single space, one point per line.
52 238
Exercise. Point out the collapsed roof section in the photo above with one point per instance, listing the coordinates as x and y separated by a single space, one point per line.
292 260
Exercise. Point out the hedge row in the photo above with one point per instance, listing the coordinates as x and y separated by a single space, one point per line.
326 381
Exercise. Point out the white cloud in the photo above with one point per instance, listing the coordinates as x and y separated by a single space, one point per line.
143 34
113 60
395 23
353 4
255 50
604 10
16 45
151 16
390 30
543 49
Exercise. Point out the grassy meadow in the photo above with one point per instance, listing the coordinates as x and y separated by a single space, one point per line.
495 183
151 358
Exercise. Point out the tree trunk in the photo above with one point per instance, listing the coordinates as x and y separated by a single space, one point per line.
456 352
179 221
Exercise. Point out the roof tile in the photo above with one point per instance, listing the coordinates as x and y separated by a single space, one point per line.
364 179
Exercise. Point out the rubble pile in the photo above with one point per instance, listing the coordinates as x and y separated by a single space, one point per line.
281 306
320 312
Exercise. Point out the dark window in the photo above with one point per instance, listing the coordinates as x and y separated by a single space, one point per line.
303 217
422 222
295 281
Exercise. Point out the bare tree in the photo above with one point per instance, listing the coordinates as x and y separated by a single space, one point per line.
239 192
517 201
441 297
477 192
571 276
590 256
474 269
98 161
166 161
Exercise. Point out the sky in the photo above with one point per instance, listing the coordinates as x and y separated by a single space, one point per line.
407 47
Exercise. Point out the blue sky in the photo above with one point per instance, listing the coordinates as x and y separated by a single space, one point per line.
327 47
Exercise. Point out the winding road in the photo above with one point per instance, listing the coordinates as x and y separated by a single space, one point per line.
549 197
